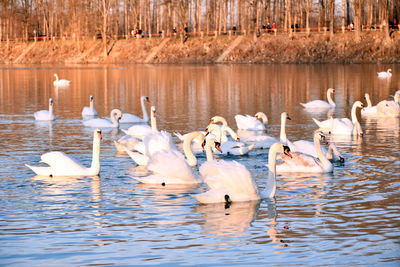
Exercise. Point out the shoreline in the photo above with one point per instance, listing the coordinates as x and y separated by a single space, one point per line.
239 49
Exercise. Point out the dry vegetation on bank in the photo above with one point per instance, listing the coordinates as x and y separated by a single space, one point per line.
318 48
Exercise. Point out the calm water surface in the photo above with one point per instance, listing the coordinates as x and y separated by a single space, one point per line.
348 217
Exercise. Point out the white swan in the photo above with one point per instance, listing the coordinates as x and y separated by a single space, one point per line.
141 130
320 104
45 115
60 164
385 74
229 147
130 118
388 108
300 162
152 143
89 111
343 126
369 110
308 147
230 181
250 123
115 116
61 82
266 141
171 167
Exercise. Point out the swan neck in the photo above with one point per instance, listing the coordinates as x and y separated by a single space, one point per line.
187 149
354 114
50 110
271 182
321 156
56 76
369 103
283 130
144 110
230 131
329 97
91 106
209 155
95 167
153 122
112 117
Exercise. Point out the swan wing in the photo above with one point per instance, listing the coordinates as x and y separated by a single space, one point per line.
139 131
59 161
158 141
247 122
172 165
299 162
43 115
100 123
316 104
232 176
130 118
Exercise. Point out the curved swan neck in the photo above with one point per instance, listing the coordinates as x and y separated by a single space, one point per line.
271 182
115 112
153 120
263 117
283 129
144 110
332 150
95 167
329 97
208 148
321 156
230 131
55 74
369 103
357 129
187 149
220 119
354 114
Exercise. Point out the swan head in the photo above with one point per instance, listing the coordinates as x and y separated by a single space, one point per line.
145 98
116 112
285 116
51 101
286 151
331 91
389 70
91 98
153 111
97 134
366 96
358 104
218 119
261 116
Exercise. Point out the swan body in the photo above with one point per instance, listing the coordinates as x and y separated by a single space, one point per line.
230 181
61 82
115 116
265 141
320 104
388 108
142 130
250 123
300 162
171 167
130 118
60 164
127 142
385 74
343 126
369 110
45 115
308 147
89 111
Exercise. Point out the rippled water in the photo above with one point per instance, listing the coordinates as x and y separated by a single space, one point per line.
348 217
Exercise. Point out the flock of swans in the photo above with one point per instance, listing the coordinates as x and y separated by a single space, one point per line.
169 163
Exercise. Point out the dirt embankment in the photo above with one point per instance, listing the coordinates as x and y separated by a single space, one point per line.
268 48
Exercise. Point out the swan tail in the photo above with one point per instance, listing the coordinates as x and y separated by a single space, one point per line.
212 196
180 136
42 171
139 158
318 123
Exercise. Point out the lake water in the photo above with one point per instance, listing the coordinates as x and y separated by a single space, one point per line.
349 217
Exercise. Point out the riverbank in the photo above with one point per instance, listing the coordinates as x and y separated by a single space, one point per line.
268 48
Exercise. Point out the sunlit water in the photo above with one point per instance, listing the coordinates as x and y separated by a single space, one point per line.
348 217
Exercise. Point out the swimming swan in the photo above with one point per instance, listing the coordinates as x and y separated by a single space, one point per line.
300 162
388 108
343 126
385 74
141 130
171 167
58 82
316 104
89 111
60 164
369 110
130 118
45 115
115 116
250 123
230 181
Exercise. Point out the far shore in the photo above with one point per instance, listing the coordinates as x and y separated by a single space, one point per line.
266 48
